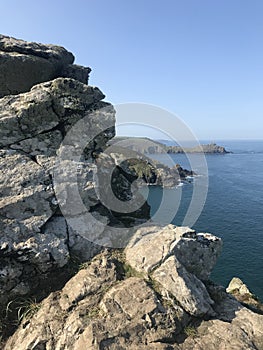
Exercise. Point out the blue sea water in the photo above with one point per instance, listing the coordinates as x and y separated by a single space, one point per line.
233 210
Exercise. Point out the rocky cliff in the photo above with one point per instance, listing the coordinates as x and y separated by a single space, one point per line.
146 170
63 283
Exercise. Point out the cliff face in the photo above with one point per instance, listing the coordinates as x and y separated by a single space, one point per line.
59 285
36 239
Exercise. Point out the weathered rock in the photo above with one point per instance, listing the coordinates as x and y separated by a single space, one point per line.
173 262
27 197
237 285
32 127
188 290
93 312
24 64
241 292
196 252
52 106
96 310
244 331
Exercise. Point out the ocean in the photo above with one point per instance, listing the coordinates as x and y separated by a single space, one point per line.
233 210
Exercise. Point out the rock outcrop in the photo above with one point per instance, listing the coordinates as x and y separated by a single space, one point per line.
36 238
147 171
173 263
109 305
32 126
24 64
241 292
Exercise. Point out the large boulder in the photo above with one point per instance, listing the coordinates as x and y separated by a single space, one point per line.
177 258
24 64
198 252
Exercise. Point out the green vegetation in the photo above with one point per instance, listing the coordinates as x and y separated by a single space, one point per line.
142 169
129 271
84 265
27 309
93 312
190 331
21 309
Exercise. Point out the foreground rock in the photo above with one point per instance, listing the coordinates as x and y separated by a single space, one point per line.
24 64
94 310
169 254
102 307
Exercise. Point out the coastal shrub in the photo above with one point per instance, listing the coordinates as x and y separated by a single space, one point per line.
190 331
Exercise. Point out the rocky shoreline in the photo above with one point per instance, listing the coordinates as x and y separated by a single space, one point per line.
147 171
95 276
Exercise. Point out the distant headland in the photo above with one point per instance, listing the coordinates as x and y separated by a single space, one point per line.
145 145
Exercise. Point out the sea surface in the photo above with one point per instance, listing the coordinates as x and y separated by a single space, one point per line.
233 210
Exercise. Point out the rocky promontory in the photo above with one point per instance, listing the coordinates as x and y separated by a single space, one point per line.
93 275
145 145
148 171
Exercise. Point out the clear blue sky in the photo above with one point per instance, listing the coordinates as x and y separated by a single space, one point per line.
200 59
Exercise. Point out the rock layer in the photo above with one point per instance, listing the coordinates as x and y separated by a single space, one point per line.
24 64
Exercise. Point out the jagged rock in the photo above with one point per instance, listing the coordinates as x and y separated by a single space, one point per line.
49 107
243 331
27 197
24 64
188 290
173 262
240 291
34 181
32 127
97 309
197 252
237 285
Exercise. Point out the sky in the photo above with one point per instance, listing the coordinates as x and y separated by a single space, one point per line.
201 60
